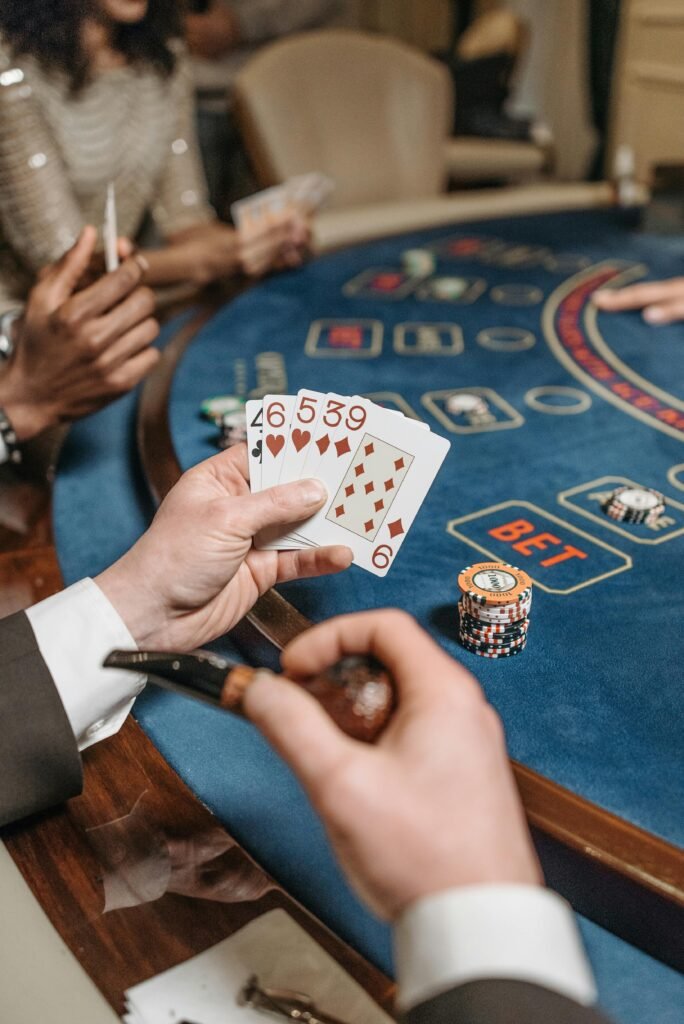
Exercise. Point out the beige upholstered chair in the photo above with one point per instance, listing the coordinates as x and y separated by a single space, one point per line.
373 114
369 111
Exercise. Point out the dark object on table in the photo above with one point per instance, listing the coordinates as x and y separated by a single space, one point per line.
282 1002
664 214
357 692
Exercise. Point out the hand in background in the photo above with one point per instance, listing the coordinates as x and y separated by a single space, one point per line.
433 805
213 34
76 352
214 251
195 573
662 302
276 243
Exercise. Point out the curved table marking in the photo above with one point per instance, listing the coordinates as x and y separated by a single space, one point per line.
506 339
571 331
674 475
578 401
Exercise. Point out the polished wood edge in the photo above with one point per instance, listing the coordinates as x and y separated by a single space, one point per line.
644 857
604 843
159 463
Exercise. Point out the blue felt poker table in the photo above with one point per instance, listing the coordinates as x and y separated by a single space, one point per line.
580 403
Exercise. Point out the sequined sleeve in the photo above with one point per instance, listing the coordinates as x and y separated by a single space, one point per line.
182 198
39 213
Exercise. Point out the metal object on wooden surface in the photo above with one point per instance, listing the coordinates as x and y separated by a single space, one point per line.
623 878
282 1003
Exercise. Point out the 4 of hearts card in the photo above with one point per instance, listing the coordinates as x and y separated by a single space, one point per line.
377 467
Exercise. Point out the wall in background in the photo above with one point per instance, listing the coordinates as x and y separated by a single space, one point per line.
648 88
554 80
424 23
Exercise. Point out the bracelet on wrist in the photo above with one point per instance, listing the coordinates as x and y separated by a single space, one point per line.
7 321
9 438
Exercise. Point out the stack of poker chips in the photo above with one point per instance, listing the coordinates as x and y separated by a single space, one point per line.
418 262
229 414
635 505
471 405
494 609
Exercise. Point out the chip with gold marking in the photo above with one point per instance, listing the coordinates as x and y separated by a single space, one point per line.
495 584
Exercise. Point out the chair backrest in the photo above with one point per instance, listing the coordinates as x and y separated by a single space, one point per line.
370 112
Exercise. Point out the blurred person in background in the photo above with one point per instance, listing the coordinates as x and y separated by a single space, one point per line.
222 35
69 352
100 91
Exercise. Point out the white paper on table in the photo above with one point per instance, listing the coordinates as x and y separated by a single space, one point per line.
275 949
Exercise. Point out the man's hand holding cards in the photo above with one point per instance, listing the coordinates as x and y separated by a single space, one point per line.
377 466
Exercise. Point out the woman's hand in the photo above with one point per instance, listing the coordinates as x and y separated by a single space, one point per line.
78 350
215 251
277 242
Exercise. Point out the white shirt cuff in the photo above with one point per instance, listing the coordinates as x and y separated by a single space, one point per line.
75 630
4 454
519 932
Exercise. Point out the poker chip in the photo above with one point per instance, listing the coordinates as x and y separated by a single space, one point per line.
494 608
468 403
492 644
493 615
448 287
638 505
492 653
233 428
418 262
215 408
495 585
480 631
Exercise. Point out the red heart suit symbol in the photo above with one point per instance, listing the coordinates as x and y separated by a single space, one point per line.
274 443
300 438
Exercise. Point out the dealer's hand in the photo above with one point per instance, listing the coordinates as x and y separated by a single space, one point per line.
662 302
76 351
195 573
433 805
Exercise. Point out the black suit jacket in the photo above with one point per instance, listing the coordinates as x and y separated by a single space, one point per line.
39 760
502 1002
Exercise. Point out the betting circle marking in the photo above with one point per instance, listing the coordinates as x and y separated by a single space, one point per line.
506 339
516 294
534 398
566 263
673 475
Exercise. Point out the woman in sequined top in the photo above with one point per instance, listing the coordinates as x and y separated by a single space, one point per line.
99 91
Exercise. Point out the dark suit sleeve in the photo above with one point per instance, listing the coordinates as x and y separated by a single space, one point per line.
502 1002
39 760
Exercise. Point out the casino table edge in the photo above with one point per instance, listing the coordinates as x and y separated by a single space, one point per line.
614 873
